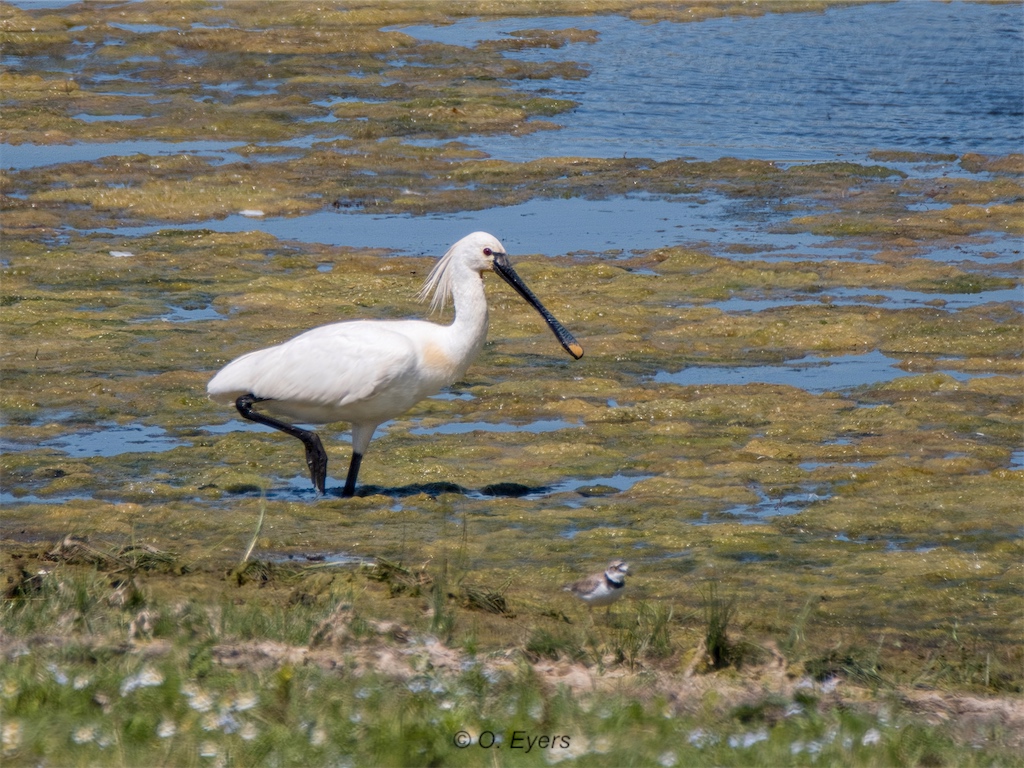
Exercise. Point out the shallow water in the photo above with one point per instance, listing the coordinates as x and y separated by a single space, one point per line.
21 156
888 299
618 226
177 314
931 77
536 226
767 506
461 428
107 440
812 373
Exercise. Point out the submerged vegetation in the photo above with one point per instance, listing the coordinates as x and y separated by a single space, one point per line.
824 572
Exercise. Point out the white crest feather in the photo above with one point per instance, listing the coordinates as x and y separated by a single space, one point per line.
438 285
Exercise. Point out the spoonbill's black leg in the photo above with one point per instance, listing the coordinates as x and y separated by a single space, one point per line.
316 456
353 472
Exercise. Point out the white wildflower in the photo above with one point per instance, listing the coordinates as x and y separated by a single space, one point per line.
566 748
84 735
701 738
166 729
58 675
189 690
747 740
146 678
245 701
228 723
10 736
871 736
208 749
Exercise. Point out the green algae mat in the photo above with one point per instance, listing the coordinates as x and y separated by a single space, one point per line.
823 570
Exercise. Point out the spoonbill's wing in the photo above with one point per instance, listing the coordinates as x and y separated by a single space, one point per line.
330 366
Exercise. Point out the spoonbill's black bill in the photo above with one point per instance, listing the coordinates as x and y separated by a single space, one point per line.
366 372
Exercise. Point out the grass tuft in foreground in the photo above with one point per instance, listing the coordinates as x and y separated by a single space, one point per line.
236 675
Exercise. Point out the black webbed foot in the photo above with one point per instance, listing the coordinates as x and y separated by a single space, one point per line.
316 456
316 460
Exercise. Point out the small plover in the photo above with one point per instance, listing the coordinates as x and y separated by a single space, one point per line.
602 588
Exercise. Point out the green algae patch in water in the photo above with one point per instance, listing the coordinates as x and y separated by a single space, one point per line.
240 81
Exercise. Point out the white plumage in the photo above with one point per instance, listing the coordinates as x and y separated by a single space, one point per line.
366 372
356 372
602 588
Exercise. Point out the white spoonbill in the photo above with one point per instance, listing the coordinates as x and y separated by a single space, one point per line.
365 372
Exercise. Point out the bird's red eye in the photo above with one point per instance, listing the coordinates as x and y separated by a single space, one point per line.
488 252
